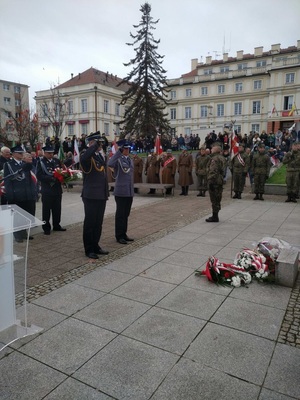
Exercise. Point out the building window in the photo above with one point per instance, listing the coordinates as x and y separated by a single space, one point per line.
224 69
173 113
256 107
237 108
239 87
188 92
45 110
242 66
288 102
208 71
238 128
255 128
84 129
106 106
220 110
45 131
83 105
6 87
204 91
203 111
187 131
17 103
70 130
221 89
7 101
17 89
106 128
261 63
290 78
173 94
188 112
70 107
257 85
117 109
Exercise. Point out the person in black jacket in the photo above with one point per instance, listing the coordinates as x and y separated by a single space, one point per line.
94 194
51 190
20 184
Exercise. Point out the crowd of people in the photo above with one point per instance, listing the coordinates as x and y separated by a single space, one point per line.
28 175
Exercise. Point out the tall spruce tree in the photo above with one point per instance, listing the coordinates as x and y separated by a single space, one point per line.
147 93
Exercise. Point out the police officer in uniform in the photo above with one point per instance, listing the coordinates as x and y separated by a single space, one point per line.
51 190
94 194
124 189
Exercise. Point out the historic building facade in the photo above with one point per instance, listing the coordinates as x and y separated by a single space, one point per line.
255 92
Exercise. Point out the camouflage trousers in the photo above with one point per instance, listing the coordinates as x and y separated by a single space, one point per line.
292 182
215 194
238 182
259 183
202 182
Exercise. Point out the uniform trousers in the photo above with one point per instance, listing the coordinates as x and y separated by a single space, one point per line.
92 226
51 204
122 214
215 195
29 206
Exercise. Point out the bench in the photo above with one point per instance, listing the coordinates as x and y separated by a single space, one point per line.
147 186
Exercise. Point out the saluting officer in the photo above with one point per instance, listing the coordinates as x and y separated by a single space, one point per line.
94 194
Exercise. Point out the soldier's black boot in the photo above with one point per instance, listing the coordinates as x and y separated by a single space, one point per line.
203 193
239 195
182 191
213 218
293 199
199 194
261 196
256 197
186 191
288 200
235 195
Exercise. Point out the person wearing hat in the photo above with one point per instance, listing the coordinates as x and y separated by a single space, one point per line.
138 166
185 168
124 189
260 166
201 162
94 194
239 167
215 173
51 190
152 167
20 185
169 166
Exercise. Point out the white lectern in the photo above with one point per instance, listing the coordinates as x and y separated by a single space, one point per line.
13 219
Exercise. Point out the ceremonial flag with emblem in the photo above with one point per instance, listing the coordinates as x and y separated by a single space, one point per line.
61 154
234 147
157 147
76 152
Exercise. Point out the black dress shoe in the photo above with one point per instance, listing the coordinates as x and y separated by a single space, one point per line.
122 241
30 238
92 255
102 251
59 229
128 239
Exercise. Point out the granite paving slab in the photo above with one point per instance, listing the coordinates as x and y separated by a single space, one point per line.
103 279
201 249
22 377
127 369
151 253
186 260
271 395
165 329
189 380
250 317
167 273
130 264
112 312
236 353
283 373
67 346
169 243
202 283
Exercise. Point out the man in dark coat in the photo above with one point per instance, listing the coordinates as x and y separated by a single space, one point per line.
94 194
152 170
137 170
169 165
185 168
4 158
124 189
51 190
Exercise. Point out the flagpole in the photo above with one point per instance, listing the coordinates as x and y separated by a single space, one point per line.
231 150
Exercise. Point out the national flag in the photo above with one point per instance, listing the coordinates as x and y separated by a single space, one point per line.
292 110
37 149
273 111
274 161
234 146
61 154
157 147
113 147
76 152
292 127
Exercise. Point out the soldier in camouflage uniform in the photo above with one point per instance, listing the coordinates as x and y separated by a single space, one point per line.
215 173
261 165
201 164
292 162
239 167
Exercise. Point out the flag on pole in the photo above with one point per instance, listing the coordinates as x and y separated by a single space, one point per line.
157 147
292 110
234 146
292 127
273 111
61 154
274 161
76 152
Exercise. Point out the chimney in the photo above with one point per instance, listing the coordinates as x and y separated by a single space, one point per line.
275 48
225 57
72 75
258 51
239 54
194 63
208 60
79 75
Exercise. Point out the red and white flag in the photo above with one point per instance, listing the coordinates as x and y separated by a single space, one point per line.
157 147
234 144
76 152
274 161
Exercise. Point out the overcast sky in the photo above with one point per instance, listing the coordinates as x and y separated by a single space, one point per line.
43 42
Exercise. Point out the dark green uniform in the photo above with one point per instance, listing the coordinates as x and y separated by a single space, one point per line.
201 172
215 173
261 165
239 167
292 162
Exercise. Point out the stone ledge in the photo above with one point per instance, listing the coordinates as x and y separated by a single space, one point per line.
287 267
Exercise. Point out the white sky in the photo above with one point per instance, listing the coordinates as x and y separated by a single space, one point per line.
43 42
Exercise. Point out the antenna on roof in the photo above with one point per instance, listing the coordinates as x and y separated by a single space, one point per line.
224 48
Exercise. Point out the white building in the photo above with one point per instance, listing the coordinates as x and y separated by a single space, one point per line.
259 91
